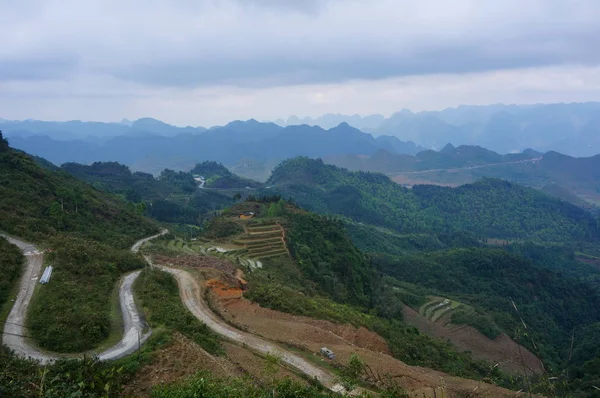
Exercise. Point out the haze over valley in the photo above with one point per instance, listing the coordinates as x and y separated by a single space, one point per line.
322 199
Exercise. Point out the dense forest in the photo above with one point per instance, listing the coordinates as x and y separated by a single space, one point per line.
489 208
37 203
218 176
329 278
537 283
11 261
172 197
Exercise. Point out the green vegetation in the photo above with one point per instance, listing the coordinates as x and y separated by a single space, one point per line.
218 176
325 255
405 342
37 203
551 304
479 321
206 385
75 378
173 197
72 313
221 228
11 263
489 208
158 295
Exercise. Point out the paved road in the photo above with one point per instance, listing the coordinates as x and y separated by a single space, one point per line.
190 293
14 331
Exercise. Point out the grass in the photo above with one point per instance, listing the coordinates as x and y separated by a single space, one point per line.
281 288
116 320
76 311
12 264
159 298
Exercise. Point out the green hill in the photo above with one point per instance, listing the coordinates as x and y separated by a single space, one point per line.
89 232
467 164
327 277
488 208
218 176
37 203
172 197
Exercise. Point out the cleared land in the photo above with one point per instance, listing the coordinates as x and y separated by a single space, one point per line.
433 318
309 335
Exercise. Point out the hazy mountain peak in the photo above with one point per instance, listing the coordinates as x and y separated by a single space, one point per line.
449 148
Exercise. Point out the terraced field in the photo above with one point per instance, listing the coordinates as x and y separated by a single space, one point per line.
439 309
258 242
263 241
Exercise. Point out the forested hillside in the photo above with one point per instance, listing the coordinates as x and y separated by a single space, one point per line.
488 208
576 180
89 233
218 176
172 197
38 203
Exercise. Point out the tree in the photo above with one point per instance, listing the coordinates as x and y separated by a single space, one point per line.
56 214
3 143
77 196
63 194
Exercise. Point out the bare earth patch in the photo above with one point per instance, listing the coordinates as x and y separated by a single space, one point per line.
502 350
184 358
344 340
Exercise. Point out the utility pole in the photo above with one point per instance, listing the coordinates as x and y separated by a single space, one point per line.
139 346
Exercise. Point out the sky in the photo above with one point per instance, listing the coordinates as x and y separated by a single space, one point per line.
207 62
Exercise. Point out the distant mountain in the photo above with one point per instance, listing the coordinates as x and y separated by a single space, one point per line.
330 120
572 128
227 144
489 208
91 132
576 180
450 157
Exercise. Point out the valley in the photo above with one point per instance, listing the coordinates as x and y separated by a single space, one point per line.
423 291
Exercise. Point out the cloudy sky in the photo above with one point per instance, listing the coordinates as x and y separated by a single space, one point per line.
205 62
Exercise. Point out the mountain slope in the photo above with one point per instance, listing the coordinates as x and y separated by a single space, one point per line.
489 208
218 176
455 166
572 128
173 197
227 144
37 203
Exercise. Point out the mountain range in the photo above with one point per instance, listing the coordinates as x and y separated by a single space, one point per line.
571 128
576 180
149 145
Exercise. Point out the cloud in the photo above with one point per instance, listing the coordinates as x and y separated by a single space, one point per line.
208 61
267 43
109 99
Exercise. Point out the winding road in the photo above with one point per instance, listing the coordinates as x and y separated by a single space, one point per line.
14 334
191 296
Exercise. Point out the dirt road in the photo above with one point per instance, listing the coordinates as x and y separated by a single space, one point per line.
14 328
14 335
191 295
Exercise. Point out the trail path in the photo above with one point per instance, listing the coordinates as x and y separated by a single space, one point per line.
15 334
